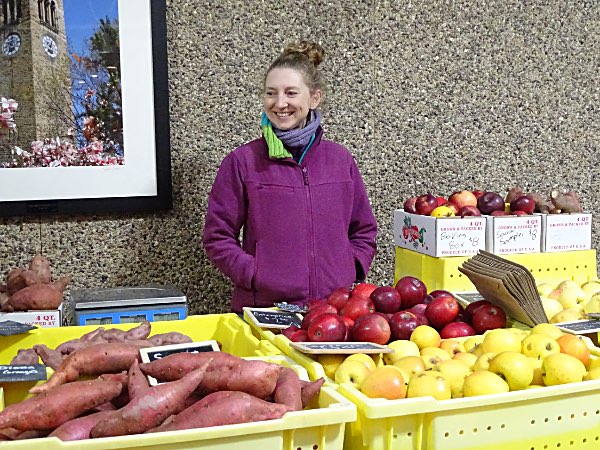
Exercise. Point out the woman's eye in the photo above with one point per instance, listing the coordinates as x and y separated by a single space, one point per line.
292 93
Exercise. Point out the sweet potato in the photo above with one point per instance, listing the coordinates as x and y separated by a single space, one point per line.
3 288
22 280
225 373
32 434
224 408
79 428
151 407
13 282
51 409
566 202
137 382
41 267
309 390
51 358
4 305
36 297
25 356
68 347
97 359
91 335
9 433
169 338
140 332
542 205
513 193
288 389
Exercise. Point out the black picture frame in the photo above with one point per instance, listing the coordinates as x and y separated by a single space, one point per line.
160 177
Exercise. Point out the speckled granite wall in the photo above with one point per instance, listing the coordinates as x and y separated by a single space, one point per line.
428 95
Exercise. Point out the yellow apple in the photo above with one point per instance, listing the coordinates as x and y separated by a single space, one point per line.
568 284
402 348
425 336
590 288
435 351
500 340
536 365
352 372
483 362
431 361
547 328
593 374
538 345
568 315
554 294
378 359
483 383
363 358
429 383
471 342
561 368
544 289
452 346
571 296
410 365
455 373
514 368
593 362
330 363
593 304
551 306
384 382
466 358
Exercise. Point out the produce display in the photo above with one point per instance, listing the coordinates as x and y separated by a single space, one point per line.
32 288
115 398
381 314
568 300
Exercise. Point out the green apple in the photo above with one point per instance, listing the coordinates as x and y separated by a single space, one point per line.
514 368
538 345
561 368
484 383
455 373
429 383
352 372
402 348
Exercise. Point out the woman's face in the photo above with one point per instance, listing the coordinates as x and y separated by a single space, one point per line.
287 99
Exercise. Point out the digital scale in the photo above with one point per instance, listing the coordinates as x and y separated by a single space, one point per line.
128 304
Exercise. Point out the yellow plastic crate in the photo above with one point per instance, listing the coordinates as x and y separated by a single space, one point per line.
442 273
564 416
319 427
232 332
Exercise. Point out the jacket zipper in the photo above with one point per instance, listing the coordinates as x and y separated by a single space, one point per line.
312 276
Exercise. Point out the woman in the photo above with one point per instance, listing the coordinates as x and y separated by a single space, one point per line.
308 227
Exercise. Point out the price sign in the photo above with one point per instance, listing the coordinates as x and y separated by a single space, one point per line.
153 353
22 372
580 326
340 347
272 318
10 327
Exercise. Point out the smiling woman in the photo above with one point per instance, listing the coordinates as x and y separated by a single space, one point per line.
144 182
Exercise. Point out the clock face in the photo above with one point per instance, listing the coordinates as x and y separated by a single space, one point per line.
11 44
50 46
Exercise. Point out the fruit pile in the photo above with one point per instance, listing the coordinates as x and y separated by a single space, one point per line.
380 314
501 360
568 300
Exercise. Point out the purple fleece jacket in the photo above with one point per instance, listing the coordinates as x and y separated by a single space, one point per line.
306 228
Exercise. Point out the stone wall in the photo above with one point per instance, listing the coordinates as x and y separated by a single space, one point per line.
428 95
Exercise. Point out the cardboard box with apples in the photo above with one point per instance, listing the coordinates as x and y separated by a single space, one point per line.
566 232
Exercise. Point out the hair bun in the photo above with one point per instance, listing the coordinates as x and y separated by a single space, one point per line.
313 51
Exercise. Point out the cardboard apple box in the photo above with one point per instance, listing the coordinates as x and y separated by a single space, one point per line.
439 237
566 232
43 319
513 234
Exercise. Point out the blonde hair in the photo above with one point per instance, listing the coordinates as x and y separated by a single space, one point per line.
304 57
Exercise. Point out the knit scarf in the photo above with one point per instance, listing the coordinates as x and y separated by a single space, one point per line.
278 140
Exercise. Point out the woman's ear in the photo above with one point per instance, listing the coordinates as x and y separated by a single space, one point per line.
315 98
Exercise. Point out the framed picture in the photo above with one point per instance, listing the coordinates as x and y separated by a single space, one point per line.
115 156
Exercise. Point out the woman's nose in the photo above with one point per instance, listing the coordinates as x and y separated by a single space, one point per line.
281 101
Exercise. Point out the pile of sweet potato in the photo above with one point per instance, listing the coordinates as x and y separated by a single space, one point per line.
556 203
32 288
196 390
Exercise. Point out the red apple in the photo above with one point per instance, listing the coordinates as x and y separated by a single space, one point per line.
488 317
498 213
386 316
362 290
322 308
314 302
456 329
327 327
412 291
441 311
419 311
386 299
490 202
356 307
474 306
452 207
299 336
402 325
463 198
477 193
371 328
349 324
409 205
441 200
441 293
287 332
338 297
519 213
425 203
469 211
523 203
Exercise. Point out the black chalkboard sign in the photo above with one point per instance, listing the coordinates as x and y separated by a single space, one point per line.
10 327
580 326
153 353
341 347
272 318
22 372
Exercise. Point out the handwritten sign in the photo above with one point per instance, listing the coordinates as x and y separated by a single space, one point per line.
10 327
22 372
580 326
512 234
153 353
340 347
272 318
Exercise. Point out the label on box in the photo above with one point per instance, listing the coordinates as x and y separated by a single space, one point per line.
10 328
566 232
271 318
44 319
439 237
514 234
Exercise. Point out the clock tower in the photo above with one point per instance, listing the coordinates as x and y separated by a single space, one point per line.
34 68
